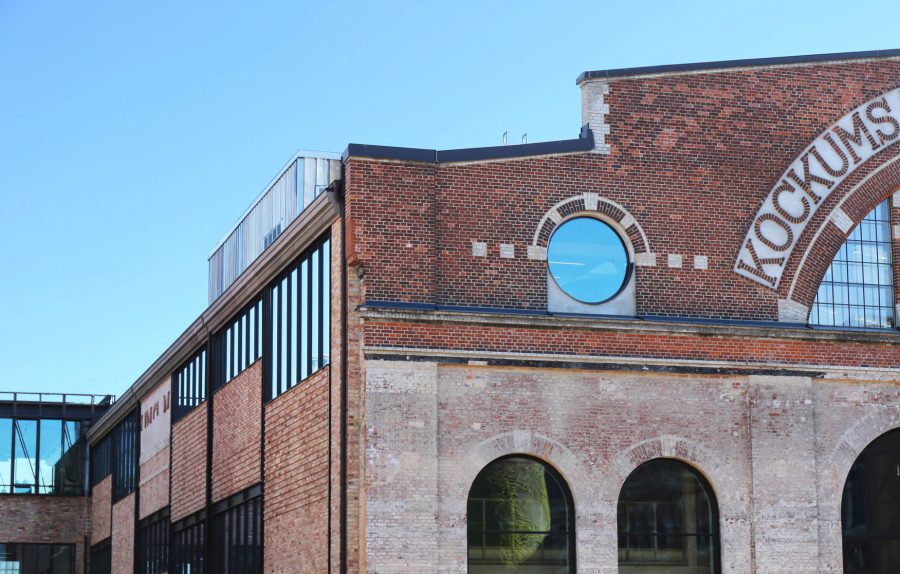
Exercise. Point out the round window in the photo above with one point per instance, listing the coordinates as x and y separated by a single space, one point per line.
588 260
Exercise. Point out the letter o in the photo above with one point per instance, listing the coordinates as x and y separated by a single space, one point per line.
757 228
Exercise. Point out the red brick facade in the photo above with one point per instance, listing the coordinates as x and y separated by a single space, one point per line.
47 520
237 433
123 535
189 463
101 510
296 501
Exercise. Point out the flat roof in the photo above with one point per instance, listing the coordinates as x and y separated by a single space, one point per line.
726 64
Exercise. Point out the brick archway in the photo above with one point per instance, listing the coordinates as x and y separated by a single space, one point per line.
734 533
832 231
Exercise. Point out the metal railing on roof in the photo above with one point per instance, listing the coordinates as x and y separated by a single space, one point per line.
303 179
57 398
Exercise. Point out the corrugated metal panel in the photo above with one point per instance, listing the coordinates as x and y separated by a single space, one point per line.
296 186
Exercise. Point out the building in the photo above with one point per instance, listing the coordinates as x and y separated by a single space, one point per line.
666 345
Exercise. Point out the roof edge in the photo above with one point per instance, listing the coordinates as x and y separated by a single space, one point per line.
584 142
726 64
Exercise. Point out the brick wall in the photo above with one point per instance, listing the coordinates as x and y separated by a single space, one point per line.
45 519
296 499
237 433
775 449
189 463
101 510
123 535
681 145
154 483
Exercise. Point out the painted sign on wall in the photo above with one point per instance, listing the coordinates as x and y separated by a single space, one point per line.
156 416
818 171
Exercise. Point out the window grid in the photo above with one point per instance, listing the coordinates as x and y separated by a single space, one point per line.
190 385
125 456
238 345
188 545
41 456
299 309
153 543
236 539
101 558
857 290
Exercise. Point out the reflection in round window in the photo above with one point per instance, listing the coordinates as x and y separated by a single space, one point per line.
587 259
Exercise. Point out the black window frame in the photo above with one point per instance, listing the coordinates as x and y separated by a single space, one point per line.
101 557
238 345
292 344
79 448
125 456
152 543
189 384
236 533
51 545
187 549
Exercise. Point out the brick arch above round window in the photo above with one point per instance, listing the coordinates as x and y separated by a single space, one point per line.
589 203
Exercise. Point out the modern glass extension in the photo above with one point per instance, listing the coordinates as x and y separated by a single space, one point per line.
520 519
858 288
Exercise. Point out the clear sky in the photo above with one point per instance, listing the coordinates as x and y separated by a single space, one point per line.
133 135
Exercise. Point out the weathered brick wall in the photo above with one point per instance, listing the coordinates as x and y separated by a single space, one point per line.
123 535
296 499
45 519
154 483
775 449
101 510
189 463
681 145
237 433
336 369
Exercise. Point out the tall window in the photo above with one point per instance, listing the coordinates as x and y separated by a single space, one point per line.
153 543
858 289
238 345
667 521
125 456
299 325
188 545
189 382
236 535
870 509
520 519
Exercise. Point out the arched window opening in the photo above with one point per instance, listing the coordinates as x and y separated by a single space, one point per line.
668 521
858 288
870 509
520 520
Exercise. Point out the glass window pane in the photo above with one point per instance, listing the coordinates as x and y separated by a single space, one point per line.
49 468
859 293
314 331
304 319
6 444
668 520
25 464
326 293
587 259
519 520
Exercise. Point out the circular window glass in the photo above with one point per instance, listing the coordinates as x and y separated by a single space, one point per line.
587 259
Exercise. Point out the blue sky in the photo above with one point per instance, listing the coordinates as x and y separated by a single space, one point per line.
132 135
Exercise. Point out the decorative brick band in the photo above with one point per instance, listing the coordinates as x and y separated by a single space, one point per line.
589 203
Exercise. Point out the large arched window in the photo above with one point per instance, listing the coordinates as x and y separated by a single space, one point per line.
668 521
520 520
858 288
870 509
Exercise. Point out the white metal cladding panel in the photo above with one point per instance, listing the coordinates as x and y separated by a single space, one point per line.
304 178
